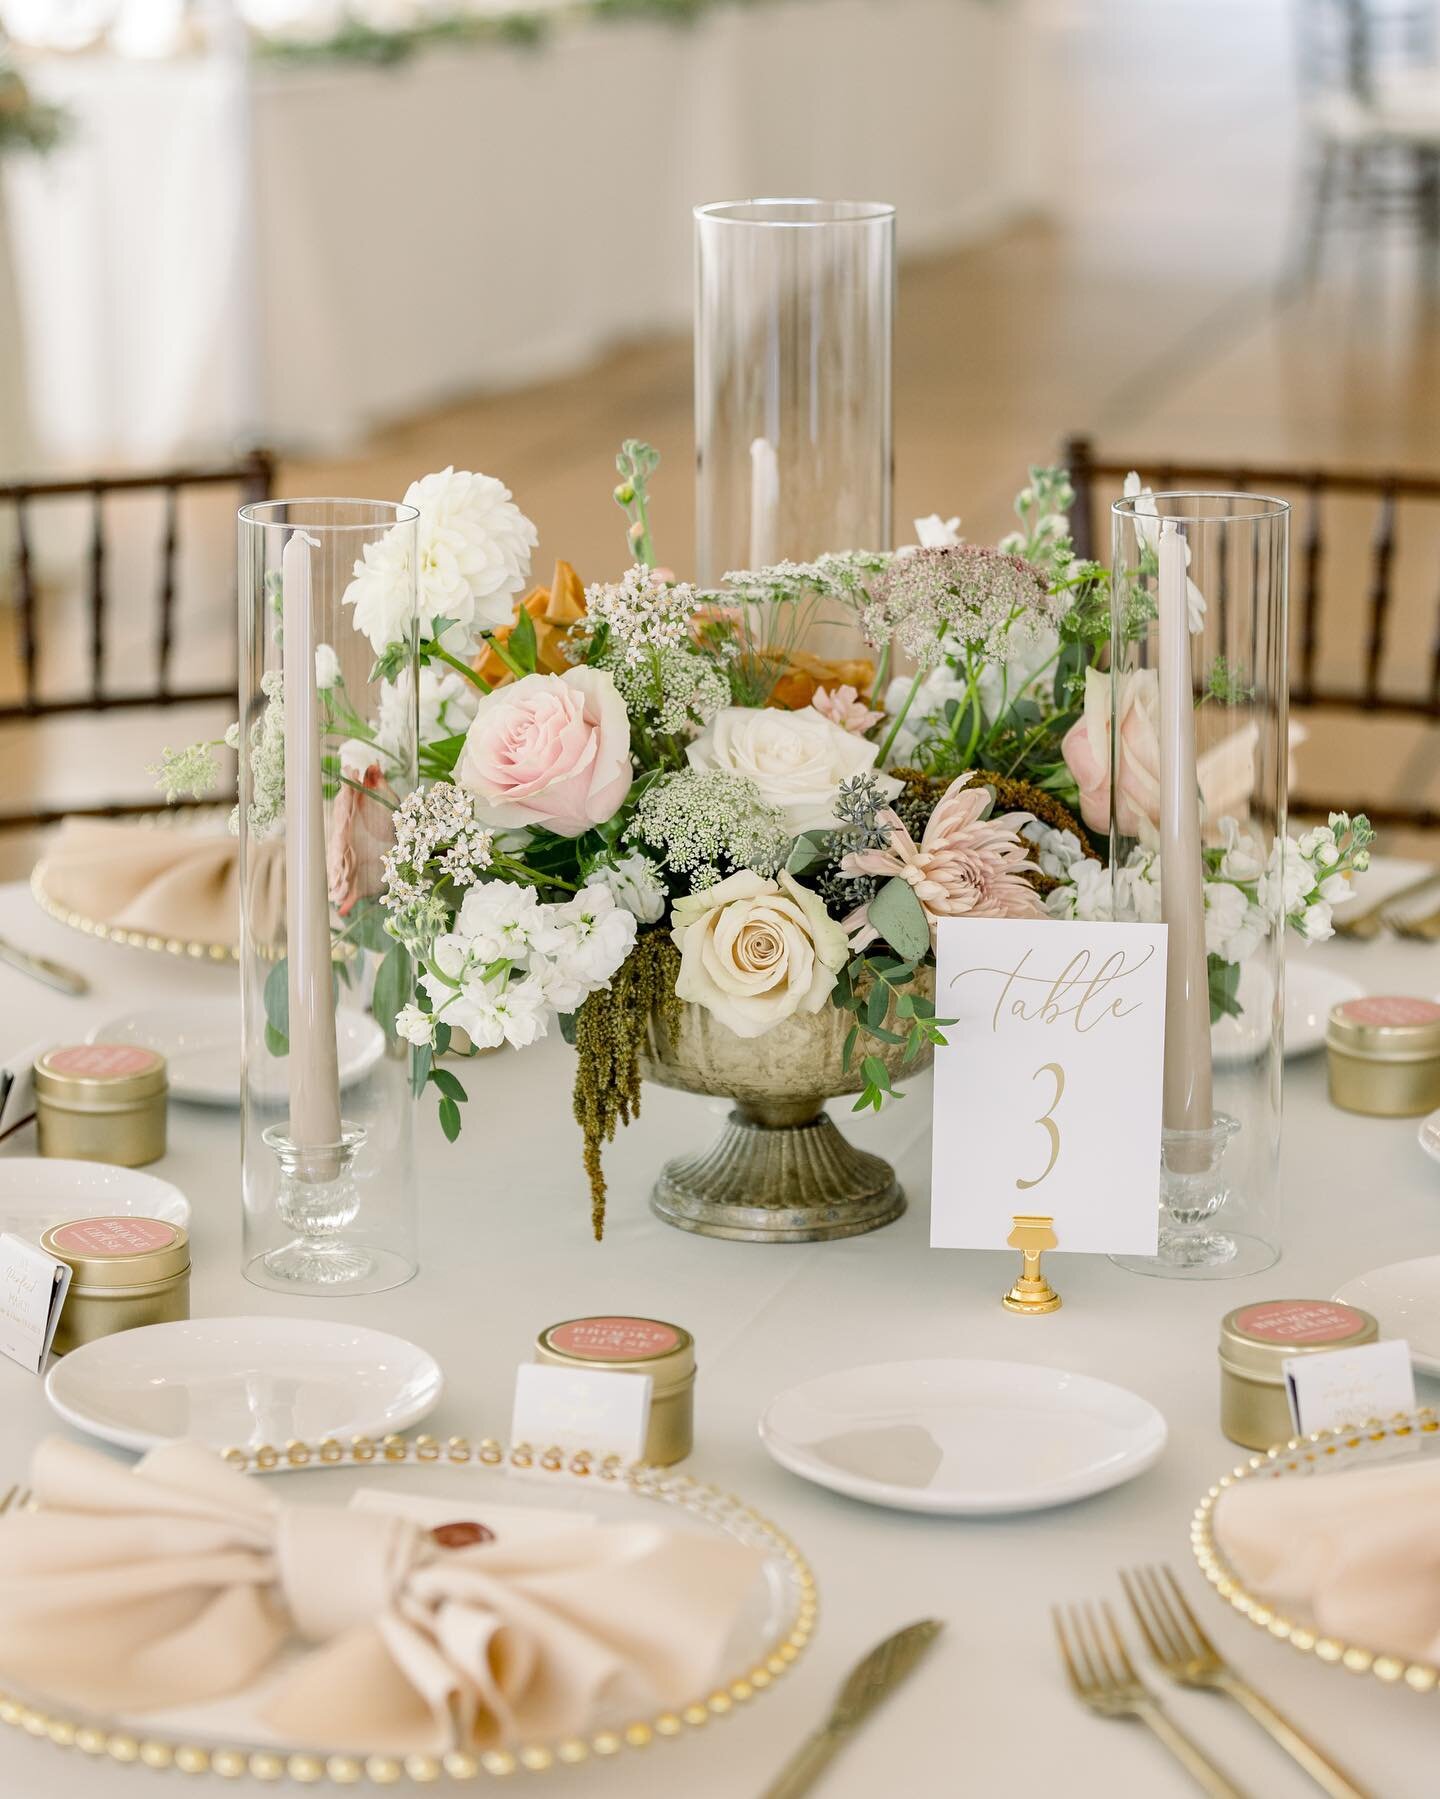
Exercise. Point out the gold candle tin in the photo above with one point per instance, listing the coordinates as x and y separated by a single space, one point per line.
1384 1056
101 1102
1255 1343
636 1346
124 1272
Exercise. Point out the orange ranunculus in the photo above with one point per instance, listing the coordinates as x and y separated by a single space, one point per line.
552 610
802 674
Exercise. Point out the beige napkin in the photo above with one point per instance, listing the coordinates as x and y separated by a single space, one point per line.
179 1581
167 883
1360 1552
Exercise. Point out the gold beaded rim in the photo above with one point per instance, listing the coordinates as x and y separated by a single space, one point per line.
726 1510
1302 1456
112 933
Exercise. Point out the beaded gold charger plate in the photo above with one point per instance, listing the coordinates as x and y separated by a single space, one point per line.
771 1633
1325 1455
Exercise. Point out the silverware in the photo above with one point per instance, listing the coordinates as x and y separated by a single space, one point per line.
868 1682
1180 1646
41 968
1105 1680
1371 920
1425 929
18 1497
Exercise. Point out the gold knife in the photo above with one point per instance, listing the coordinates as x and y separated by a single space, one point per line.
41 968
868 1682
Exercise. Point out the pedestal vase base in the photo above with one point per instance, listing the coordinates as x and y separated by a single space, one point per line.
786 1183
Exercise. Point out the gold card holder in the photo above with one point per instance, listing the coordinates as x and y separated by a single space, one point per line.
1033 1234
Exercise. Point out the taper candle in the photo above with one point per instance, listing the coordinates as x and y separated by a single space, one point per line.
764 503
312 1065
1187 1101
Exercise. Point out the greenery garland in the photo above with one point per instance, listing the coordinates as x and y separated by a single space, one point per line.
26 123
611 1030
526 26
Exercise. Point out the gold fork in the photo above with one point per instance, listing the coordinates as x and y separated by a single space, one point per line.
1425 929
1112 1688
1174 1636
1373 919
17 1498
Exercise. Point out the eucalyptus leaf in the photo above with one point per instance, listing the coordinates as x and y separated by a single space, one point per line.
811 849
420 1058
277 1009
900 919
394 982
367 927
450 1119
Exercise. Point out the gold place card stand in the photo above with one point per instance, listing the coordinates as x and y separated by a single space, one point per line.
1033 1234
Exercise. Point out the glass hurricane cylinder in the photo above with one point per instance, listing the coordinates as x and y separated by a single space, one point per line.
794 306
1198 695
327 751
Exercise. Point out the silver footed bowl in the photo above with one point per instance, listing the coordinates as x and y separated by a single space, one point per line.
780 1171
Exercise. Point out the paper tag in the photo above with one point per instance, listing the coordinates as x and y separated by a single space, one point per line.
32 1290
507 1523
600 1409
1349 1386
1048 1093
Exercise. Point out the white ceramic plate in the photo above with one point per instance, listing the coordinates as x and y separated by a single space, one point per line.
1430 1135
962 1438
38 1191
241 1382
200 1039
1310 992
1405 1297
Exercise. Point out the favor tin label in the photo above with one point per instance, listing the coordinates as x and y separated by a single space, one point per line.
103 1061
1299 1321
113 1236
614 1339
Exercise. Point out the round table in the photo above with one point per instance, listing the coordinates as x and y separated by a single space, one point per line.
507 1250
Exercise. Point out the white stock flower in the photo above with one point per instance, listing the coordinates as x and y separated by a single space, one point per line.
796 760
502 920
1287 879
936 533
414 1025
592 935
635 882
1147 529
327 666
755 951
1234 927
1317 925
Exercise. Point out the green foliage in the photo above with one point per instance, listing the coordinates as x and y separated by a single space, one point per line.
277 1009
394 980
1224 981
870 987
900 919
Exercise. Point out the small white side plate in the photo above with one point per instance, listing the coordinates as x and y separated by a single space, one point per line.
200 1040
38 1191
1310 992
1405 1297
962 1438
241 1382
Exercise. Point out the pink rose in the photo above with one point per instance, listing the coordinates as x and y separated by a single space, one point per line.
549 750
1086 749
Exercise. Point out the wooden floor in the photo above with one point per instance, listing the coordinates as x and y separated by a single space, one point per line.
1149 306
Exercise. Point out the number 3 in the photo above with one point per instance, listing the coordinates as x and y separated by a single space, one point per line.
1047 1119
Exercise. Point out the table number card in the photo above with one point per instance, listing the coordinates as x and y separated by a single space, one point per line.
1047 1096
32 1290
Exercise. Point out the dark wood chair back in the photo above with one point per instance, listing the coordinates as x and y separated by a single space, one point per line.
250 478
1387 677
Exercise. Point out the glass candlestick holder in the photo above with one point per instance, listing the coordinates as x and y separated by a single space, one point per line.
328 753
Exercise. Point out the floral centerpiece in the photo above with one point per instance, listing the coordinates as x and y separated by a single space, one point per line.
638 797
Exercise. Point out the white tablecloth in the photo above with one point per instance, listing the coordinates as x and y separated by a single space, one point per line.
988 1713
296 253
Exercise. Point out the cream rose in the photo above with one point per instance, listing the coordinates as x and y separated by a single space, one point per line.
549 750
754 951
796 759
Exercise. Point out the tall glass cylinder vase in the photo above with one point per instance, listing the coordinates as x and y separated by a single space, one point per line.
1198 698
794 306
327 752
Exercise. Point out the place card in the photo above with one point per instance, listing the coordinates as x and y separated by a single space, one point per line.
32 1291
1048 1092
1349 1386
603 1410
505 1523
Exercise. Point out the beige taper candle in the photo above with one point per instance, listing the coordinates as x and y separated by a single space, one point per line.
312 1064
1187 1104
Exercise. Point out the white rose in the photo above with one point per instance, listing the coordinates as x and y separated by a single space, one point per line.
635 883
754 951
796 759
